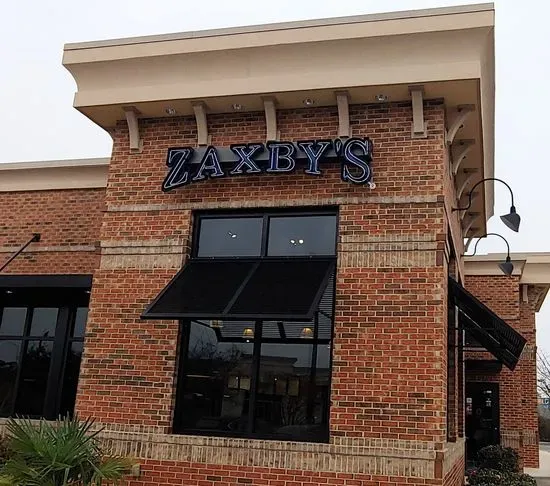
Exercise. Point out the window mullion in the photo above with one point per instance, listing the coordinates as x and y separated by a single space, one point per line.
256 356
265 235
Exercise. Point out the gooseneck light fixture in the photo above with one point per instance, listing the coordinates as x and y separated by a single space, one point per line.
512 219
507 266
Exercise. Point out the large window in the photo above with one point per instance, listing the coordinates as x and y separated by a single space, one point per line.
41 340
261 377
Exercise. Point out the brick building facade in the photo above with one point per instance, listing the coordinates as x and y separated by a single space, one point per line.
364 387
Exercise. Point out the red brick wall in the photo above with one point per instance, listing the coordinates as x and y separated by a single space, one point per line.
518 395
66 219
455 477
389 373
383 314
389 358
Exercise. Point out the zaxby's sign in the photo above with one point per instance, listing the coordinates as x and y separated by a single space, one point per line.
187 165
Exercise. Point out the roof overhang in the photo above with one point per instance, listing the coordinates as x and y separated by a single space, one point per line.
531 268
448 51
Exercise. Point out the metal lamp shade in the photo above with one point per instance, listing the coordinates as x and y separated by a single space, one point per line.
512 219
507 267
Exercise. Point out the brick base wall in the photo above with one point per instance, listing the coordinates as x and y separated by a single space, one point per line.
453 463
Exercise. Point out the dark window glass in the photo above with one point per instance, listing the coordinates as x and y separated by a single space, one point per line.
267 375
221 237
34 378
13 321
44 321
80 322
216 383
292 394
302 235
9 359
41 339
70 378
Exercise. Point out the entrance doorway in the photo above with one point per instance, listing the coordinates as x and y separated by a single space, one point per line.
482 418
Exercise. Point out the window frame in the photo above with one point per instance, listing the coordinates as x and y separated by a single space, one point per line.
32 298
266 215
258 340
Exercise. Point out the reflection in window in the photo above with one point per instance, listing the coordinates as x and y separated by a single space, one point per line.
9 358
217 382
293 392
70 378
13 321
44 321
41 340
34 378
302 235
230 237
268 379
80 322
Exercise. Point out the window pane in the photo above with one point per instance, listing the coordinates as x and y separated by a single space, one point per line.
80 322
13 321
302 235
227 237
70 379
232 330
216 383
292 400
9 355
44 321
34 378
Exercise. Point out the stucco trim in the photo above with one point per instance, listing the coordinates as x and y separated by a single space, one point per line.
54 174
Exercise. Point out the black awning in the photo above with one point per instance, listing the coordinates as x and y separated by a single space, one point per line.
288 289
497 337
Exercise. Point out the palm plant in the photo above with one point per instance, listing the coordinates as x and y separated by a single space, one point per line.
64 453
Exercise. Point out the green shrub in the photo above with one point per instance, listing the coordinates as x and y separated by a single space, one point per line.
498 458
490 477
67 452
4 451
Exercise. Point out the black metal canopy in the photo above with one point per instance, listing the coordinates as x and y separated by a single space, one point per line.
497 337
278 288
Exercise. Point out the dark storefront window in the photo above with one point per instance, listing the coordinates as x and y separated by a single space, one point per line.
261 378
41 340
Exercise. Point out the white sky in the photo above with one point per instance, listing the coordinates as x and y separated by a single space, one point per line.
39 123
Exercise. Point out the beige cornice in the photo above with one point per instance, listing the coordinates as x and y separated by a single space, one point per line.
533 269
373 25
448 52
54 175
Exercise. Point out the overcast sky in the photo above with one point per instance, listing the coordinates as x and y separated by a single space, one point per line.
39 123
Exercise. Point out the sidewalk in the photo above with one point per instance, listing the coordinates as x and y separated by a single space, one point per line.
542 474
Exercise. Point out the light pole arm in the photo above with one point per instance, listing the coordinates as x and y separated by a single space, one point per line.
477 184
492 234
